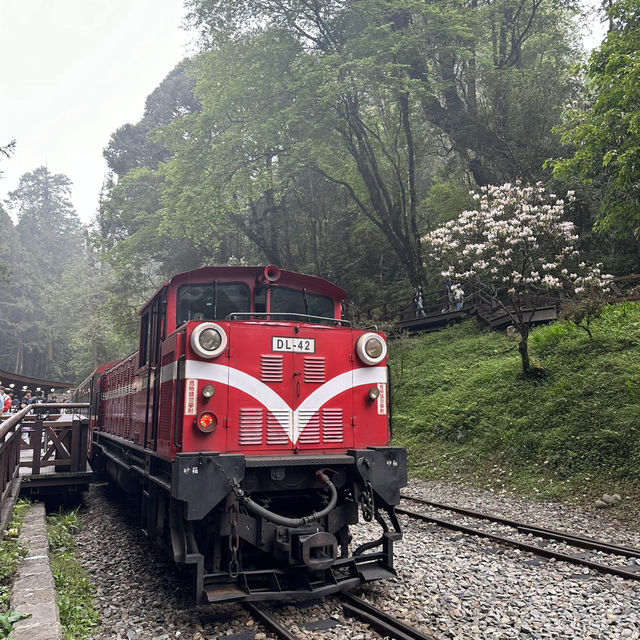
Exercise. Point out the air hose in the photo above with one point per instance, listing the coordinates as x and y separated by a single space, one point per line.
259 510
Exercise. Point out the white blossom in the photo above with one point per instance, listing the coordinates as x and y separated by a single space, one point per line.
515 241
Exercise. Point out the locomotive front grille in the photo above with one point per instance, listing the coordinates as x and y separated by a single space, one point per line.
311 432
318 426
270 368
276 435
250 427
332 425
314 370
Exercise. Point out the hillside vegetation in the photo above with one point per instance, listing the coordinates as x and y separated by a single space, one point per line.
571 431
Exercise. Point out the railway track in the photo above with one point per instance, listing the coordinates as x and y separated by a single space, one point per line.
387 626
384 624
264 617
595 547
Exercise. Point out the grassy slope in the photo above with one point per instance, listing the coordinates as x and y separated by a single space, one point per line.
463 408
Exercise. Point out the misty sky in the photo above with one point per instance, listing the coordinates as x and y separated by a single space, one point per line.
73 71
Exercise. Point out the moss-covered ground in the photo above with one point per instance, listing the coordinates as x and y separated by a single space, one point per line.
74 593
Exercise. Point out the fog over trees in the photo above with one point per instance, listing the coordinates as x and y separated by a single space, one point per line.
328 138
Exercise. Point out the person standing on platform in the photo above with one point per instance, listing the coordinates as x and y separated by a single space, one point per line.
3 399
418 301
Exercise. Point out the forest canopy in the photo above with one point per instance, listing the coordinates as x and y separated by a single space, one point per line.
327 138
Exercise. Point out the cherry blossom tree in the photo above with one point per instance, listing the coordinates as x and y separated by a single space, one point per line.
517 249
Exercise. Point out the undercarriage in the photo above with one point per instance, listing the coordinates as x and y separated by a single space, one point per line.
266 527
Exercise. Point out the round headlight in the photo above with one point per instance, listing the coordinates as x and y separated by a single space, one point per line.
371 348
208 340
208 391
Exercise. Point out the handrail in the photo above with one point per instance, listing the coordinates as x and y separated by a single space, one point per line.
8 424
61 405
631 276
286 316
434 299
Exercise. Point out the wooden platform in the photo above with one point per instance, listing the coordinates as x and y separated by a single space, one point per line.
43 453
53 456
51 480
495 318
431 322
498 318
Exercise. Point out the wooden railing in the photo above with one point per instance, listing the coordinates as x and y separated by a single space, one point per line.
62 445
437 301
403 307
625 288
10 439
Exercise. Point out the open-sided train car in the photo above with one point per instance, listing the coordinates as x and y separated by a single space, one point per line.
253 422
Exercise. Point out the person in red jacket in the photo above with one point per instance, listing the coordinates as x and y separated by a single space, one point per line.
3 399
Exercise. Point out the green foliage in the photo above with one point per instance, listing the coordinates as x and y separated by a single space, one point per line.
445 201
583 311
11 551
46 241
132 146
11 554
7 620
75 594
296 124
462 407
604 131
61 527
553 337
488 76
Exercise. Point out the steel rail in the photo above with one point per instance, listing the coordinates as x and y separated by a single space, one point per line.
583 542
269 622
383 623
540 551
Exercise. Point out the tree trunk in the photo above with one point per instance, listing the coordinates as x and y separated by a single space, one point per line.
523 348
19 354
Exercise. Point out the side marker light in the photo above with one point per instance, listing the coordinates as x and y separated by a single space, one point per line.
206 422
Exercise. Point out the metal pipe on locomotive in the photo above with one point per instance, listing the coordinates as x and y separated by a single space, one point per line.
253 424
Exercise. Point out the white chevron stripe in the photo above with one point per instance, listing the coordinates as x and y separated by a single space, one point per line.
273 402
330 389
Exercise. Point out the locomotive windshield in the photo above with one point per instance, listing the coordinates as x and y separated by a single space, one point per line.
215 301
284 300
211 301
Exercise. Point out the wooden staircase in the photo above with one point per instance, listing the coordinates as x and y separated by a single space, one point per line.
498 318
438 313
483 308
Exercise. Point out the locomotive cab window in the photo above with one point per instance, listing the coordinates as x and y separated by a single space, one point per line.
284 300
152 328
144 340
211 301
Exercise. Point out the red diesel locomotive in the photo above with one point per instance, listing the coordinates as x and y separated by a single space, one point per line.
253 423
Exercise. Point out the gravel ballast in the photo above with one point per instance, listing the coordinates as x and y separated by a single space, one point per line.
449 585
